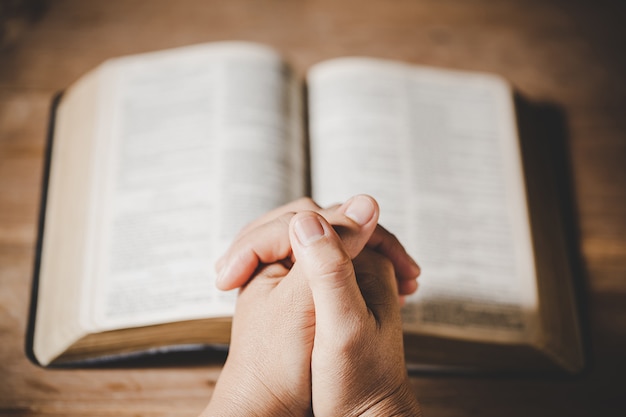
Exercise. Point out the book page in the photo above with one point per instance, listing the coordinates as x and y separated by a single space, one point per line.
438 150
194 143
63 256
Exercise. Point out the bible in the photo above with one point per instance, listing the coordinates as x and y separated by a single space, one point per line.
158 159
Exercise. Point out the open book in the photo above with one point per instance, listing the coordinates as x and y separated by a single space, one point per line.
159 159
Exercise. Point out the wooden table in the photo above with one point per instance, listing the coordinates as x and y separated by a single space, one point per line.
569 54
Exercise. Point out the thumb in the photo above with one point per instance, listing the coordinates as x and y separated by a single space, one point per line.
321 257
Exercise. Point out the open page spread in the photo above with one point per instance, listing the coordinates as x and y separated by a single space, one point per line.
193 143
438 149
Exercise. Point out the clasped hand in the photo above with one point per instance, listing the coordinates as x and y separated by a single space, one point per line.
317 325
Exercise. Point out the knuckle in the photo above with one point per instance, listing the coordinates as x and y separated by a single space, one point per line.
353 336
369 260
306 203
339 266
285 218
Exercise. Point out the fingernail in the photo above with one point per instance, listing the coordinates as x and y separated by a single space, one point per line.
308 230
360 209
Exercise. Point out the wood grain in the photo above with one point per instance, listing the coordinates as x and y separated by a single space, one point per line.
569 54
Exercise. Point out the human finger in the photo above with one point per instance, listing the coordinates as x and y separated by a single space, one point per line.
388 244
269 242
266 244
322 259
303 203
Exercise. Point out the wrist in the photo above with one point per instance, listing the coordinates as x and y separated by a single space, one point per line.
233 403
400 403
237 395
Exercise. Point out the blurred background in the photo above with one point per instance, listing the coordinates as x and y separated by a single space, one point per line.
568 55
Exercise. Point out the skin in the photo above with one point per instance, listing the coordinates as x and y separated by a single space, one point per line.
336 336
265 241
